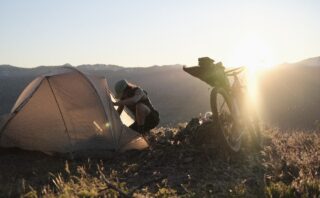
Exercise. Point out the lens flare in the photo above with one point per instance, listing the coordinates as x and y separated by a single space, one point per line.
256 55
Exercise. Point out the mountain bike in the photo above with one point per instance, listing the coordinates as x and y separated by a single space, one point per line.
230 105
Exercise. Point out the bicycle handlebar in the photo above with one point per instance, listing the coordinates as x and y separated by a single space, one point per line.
235 71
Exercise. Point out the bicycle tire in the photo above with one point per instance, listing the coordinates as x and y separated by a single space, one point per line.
228 125
255 131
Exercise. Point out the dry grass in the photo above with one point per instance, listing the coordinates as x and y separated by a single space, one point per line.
292 164
288 166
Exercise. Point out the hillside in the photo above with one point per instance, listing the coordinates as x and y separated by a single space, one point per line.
290 92
291 96
182 161
287 166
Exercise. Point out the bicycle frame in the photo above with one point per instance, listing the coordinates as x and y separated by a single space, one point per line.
238 90
238 94
232 94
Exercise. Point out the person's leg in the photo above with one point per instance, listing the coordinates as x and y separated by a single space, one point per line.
142 111
152 120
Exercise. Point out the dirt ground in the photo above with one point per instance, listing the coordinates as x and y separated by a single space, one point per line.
174 166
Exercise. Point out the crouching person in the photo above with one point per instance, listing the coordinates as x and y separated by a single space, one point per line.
138 103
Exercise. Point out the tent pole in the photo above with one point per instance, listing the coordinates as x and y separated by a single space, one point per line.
64 122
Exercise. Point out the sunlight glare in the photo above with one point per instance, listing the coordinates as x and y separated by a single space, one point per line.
256 55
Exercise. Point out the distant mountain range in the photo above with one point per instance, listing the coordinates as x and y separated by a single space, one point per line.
166 85
291 92
291 95
310 62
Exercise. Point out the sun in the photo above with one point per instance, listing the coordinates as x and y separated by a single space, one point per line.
257 56
254 53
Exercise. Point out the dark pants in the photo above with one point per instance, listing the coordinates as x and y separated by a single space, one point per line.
151 121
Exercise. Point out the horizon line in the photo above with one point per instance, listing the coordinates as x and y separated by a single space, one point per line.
155 65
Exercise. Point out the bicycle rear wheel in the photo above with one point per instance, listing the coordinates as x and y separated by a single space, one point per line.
225 114
255 131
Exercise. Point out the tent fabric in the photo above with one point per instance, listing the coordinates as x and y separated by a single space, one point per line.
27 92
65 112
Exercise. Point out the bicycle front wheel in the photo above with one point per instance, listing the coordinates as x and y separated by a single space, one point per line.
224 113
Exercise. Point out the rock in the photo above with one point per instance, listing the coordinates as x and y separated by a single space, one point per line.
196 133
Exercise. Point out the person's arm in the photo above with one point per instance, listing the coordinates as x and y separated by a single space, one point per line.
133 100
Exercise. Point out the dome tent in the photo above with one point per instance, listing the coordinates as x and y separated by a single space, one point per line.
68 111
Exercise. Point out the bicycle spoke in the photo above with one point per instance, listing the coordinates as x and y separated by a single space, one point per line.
222 106
240 136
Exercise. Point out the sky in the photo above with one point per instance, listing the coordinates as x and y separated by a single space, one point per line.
137 33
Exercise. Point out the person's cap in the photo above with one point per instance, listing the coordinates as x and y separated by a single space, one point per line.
120 87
